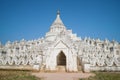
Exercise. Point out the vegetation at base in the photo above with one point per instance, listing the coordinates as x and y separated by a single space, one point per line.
16 75
105 76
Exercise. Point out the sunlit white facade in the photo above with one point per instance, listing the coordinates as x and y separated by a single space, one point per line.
61 50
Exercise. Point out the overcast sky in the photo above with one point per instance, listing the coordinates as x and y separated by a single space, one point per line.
31 19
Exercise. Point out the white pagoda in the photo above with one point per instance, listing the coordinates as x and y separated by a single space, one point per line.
61 50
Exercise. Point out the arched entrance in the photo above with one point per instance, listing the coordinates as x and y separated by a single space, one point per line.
61 59
61 62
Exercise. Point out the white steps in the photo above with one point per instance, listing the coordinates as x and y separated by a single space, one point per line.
61 68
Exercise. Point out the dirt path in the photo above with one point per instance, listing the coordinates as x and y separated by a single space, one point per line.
62 75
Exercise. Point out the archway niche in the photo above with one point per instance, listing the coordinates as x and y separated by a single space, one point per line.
61 59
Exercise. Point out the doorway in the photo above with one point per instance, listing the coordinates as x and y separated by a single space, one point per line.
61 59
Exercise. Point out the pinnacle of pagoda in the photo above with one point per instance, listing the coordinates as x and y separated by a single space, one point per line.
57 25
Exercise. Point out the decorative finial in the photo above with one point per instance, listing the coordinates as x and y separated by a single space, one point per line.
58 12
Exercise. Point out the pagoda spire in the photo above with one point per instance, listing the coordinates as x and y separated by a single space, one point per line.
56 28
57 25
58 19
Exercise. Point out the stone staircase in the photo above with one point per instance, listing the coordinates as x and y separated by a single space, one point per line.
79 68
61 68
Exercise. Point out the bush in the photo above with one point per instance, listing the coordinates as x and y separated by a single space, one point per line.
16 75
105 76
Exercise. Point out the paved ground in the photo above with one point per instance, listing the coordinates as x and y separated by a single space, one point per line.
62 75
